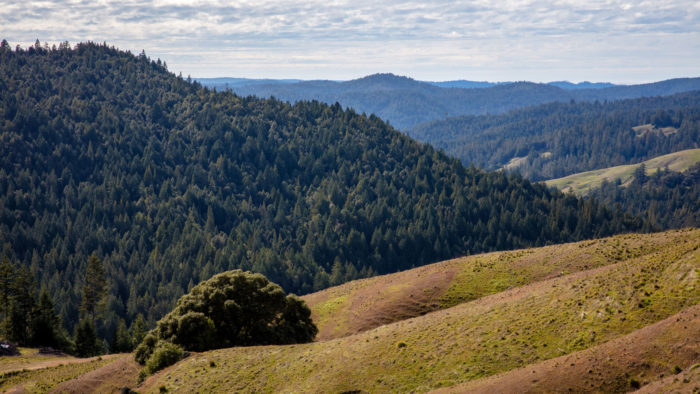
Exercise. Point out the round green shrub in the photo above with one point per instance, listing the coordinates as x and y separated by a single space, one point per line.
165 354
145 348
234 308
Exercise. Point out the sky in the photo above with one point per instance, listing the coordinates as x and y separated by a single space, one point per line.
509 40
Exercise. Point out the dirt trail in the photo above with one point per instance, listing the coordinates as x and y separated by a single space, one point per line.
111 378
642 357
30 365
383 300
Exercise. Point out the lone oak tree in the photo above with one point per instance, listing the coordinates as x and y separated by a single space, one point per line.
234 308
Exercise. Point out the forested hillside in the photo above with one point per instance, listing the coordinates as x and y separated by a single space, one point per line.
558 139
669 199
406 103
169 183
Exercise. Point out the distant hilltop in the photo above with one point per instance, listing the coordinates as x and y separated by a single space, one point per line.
406 103
458 83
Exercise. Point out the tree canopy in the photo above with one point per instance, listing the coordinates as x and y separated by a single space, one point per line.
559 139
233 308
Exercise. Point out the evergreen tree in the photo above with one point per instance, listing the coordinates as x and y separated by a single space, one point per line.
46 325
7 277
87 343
138 330
16 324
122 339
94 289
22 299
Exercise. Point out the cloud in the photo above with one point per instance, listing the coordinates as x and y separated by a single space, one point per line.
514 39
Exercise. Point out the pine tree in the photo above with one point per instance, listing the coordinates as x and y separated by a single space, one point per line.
21 301
15 324
122 339
138 330
45 325
7 275
94 289
86 342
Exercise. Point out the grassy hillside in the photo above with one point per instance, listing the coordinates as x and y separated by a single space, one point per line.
496 333
583 182
646 356
367 303
35 373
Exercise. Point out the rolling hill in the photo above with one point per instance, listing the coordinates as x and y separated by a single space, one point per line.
169 183
664 190
407 103
611 314
368 303
638 296
583 182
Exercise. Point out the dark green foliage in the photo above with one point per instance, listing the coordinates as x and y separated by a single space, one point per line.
16 324
145 349
22 320
667 199
87 344
21 301
104 152
94 288
122 339
7 274
635 384
138 330
46 328
234 308
560 139
164 355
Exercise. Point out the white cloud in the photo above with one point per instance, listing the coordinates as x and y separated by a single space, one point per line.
613 40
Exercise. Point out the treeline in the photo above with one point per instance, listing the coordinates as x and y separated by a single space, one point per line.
28 321
668 199
559 139
169 183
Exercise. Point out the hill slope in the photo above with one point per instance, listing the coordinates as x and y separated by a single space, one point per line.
583 182
406 102
666 198
169 183
511 329
645 356
559 139
368 303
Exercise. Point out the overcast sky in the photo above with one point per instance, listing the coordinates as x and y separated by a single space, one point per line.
536 40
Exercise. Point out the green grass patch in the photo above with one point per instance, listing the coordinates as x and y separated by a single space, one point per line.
43 380
582 182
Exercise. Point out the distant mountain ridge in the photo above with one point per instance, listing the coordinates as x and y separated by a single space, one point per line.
231 82
554 140
406 102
